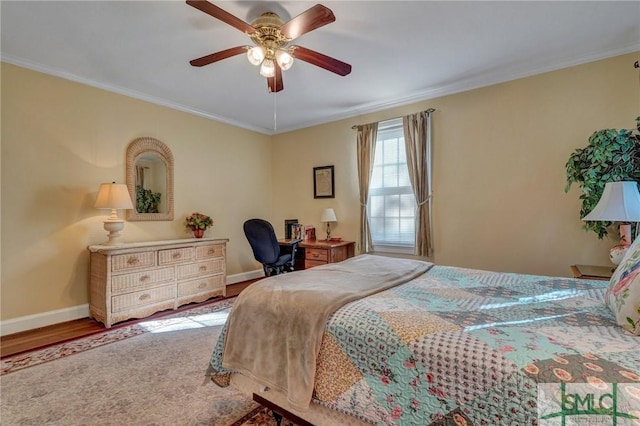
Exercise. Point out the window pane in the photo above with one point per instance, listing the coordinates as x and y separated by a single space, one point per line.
391 202
407 205
392 206
391 229
407 229
377 229
376 178
403 175
377 160
376 206
390 151
390 178
402 155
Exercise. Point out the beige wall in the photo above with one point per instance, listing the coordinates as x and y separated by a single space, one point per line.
499 155
499 176
61 139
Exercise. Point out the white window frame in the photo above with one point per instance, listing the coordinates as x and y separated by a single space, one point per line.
387 130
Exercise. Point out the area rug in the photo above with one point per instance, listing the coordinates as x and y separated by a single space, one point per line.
148 373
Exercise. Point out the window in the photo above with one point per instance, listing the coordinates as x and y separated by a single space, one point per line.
392 205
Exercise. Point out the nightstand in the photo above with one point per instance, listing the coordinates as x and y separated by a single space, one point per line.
312 253
321 252
591 272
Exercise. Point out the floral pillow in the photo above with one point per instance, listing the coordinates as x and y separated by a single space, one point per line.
623 294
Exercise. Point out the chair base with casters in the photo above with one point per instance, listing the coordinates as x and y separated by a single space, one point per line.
266 249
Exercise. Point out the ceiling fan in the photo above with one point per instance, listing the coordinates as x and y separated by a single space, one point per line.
271 37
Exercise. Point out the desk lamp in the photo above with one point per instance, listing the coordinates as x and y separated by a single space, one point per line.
328 215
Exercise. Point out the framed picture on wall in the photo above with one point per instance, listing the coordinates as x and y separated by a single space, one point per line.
323 182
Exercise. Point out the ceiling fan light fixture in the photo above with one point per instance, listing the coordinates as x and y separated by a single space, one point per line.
255 55
270 37
268 68
284 59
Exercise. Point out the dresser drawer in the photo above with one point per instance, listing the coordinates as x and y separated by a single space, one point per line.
209 252
201 268
142 297
125 262
311 263
127 283
200 286
169 257
317 254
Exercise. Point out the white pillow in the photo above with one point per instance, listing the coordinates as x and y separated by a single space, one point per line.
623 294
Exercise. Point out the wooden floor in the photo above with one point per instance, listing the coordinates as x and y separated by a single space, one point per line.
31 339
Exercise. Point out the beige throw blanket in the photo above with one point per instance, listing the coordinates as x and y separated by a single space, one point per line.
275 329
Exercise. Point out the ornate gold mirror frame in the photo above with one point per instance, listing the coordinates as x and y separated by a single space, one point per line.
138 152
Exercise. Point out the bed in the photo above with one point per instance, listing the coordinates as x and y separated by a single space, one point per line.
429 345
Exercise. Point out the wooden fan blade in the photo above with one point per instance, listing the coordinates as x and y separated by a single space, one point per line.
223 15
320 60
218 56
275 83
307 21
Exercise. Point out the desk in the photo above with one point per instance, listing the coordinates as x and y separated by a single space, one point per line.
312 253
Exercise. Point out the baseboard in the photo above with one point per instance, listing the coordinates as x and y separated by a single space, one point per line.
245 276
30 322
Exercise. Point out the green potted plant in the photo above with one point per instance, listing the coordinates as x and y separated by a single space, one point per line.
611 156
198 223
147 201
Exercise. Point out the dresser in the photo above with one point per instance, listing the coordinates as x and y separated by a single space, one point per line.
321 252
135 280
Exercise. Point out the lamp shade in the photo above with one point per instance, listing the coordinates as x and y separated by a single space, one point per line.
113 196
620 202
328 215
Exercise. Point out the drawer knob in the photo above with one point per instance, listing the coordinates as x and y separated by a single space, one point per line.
211 251
144 296
177 255
144 278
203 268
133 261
202 285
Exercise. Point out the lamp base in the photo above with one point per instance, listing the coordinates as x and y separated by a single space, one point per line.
616 254
113 227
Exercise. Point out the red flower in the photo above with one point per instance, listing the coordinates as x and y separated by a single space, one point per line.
396 413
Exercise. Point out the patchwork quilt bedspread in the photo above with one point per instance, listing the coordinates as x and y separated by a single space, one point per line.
466 347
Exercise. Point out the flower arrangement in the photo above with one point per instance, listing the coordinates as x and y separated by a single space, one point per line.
198 221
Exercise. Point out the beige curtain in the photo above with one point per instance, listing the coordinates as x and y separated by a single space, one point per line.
367 135
140 176
417 140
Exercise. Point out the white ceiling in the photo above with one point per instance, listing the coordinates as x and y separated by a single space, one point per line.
401 51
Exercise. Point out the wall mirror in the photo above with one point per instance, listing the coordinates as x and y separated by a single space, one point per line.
150 180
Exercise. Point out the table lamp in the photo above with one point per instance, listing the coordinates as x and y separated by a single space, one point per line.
113 196
328 215
620 202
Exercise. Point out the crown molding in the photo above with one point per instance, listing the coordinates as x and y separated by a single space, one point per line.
484 80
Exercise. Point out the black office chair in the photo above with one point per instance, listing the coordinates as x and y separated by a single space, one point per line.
266 249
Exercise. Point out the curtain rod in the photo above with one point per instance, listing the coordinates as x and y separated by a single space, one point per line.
428 111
